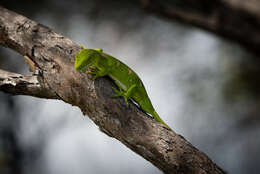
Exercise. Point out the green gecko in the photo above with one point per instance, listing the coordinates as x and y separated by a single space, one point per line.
130 85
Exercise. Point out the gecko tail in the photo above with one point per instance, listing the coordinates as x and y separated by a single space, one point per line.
157 118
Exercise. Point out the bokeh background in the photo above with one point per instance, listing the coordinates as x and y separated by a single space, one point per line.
205 87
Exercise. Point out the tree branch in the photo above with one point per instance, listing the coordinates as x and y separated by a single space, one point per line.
18 84
236 20
53 55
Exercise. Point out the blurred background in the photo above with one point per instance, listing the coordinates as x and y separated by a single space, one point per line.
203 86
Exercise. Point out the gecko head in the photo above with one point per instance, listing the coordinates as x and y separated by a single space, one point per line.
84 58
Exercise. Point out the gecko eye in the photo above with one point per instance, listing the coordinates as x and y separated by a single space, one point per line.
85 58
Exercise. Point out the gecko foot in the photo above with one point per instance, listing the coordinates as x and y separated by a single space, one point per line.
121 93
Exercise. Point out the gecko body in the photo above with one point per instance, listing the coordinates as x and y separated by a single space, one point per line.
128 82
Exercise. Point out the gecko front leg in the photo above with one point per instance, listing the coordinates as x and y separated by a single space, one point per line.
98 71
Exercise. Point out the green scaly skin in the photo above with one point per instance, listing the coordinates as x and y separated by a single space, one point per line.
130 85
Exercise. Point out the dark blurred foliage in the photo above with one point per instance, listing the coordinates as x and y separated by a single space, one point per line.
10 151
203 6
244 81
243 84
94 10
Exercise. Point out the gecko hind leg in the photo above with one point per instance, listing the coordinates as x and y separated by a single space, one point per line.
125 94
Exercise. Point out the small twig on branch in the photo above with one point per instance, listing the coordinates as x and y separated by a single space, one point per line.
53 54
18 84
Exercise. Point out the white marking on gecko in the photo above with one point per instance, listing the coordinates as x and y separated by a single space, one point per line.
117 81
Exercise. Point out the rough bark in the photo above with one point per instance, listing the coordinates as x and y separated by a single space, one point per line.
53 55
18 84
234 19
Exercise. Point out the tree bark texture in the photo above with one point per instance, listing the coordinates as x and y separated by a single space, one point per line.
234 19
53 56
18 84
